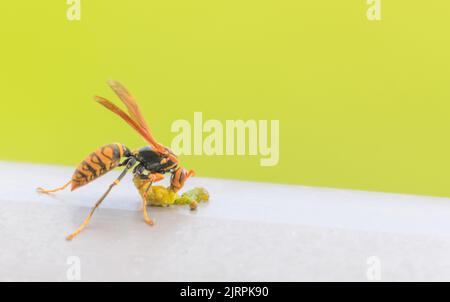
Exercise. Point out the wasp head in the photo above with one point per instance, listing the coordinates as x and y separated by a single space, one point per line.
179 177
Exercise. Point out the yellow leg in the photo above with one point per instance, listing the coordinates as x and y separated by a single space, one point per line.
82 226
147 218
151 179
44 191
86 221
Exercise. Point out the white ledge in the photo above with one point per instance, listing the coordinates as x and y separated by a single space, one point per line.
247 232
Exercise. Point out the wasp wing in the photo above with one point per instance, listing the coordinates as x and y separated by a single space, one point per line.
131 104
136 126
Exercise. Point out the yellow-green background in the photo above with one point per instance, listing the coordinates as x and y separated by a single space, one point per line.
361 104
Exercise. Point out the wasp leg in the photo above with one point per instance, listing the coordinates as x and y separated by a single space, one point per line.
147 218
97 204
44 191
149 182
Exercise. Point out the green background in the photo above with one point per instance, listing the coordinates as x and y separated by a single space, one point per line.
361 104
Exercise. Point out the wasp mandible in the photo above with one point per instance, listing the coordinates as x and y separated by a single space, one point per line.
149 163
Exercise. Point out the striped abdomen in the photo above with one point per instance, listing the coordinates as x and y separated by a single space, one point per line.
102 160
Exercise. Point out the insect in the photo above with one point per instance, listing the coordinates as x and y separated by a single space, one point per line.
148 163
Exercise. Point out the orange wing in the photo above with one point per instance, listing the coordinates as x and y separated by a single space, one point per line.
135 119
133 108
129 121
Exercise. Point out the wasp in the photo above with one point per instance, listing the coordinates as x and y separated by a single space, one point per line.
149 164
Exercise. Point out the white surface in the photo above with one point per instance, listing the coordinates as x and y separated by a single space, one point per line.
248 232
